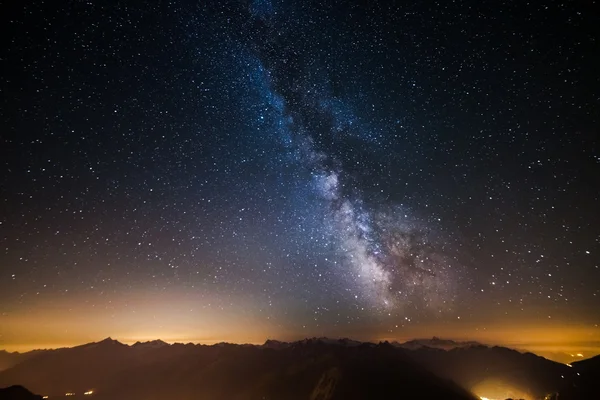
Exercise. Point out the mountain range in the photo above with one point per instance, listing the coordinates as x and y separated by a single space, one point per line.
313 369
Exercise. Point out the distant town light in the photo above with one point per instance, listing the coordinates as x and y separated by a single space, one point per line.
89 392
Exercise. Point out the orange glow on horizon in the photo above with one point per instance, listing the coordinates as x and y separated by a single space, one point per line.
172 319
560 344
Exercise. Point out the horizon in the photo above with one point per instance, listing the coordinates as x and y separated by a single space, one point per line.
564 354
199 371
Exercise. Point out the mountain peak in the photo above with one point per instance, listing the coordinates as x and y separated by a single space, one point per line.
151 344
104 342
110 340
276 344
18 392
435 342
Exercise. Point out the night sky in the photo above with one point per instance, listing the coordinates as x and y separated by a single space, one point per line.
243 170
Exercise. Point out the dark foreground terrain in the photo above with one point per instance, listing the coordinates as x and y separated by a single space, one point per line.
312 369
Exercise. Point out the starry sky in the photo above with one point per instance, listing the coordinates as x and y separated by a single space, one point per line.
242 170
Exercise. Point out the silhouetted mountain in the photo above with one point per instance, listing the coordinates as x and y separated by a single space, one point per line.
498 369
106 343
310 369
591 365
275 344
314 368
8 360
150 344
435 343
586 381
17 392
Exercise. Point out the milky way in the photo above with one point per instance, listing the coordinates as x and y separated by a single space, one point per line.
382 252
385 256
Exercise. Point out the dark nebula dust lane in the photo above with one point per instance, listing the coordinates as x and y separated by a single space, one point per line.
247 169
382 256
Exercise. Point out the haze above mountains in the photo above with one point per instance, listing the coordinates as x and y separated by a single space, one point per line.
315 369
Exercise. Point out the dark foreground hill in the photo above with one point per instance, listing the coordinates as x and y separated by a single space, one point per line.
315 371
497 372
311 369
17 393
586 383
8 360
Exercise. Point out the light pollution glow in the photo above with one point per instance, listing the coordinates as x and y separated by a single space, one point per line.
144 320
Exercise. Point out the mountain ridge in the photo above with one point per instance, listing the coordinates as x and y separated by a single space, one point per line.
106 363
312 368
